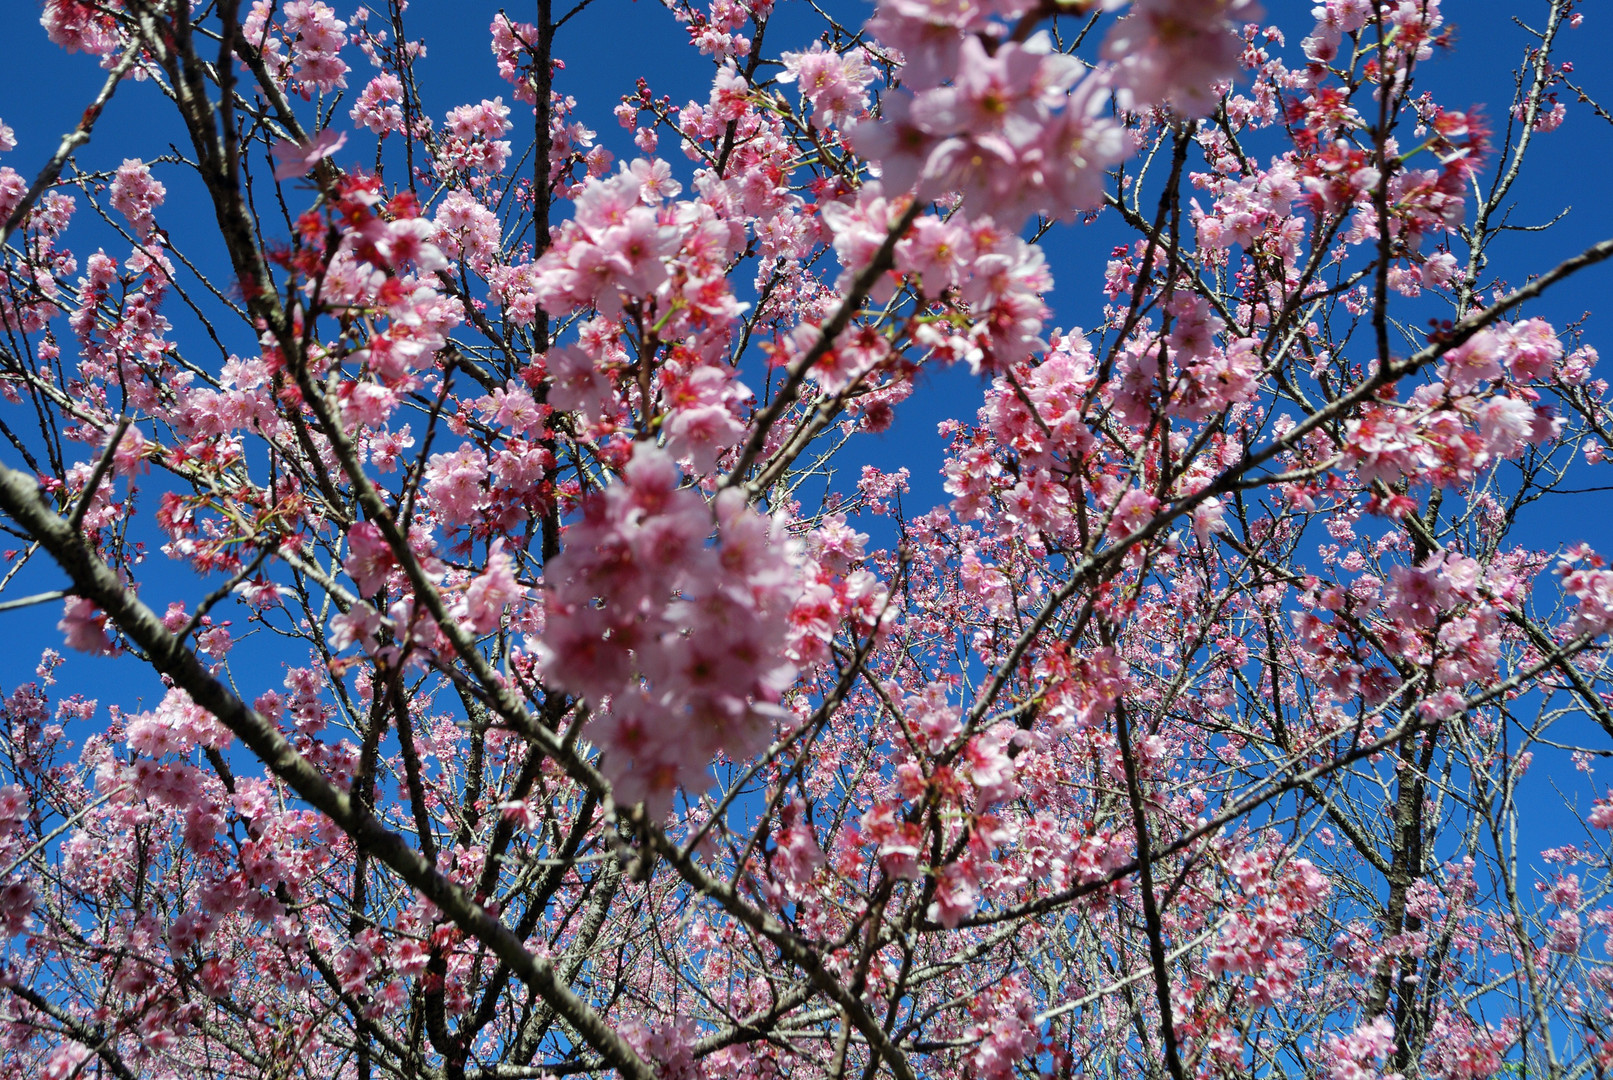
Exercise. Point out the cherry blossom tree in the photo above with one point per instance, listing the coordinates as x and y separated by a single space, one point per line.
531 662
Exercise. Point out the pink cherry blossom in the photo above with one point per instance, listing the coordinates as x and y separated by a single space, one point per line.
295 160
1005 539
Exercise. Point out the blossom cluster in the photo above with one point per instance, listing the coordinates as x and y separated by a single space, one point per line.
676 644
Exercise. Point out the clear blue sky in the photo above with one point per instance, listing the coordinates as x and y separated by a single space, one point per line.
43 91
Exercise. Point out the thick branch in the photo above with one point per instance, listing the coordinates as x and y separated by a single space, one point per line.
94 580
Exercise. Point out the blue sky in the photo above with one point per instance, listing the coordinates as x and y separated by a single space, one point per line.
613 42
